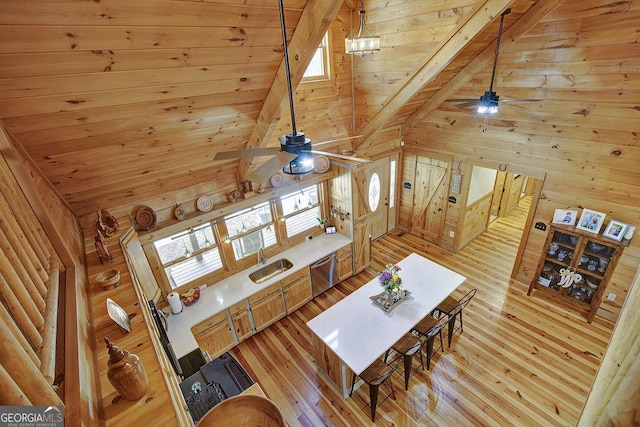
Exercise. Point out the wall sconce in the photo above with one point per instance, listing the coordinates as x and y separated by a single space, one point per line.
227 239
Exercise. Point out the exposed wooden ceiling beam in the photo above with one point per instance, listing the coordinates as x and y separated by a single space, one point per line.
472 24
313 24
530 18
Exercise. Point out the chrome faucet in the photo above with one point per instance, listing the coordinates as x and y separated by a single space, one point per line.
262 258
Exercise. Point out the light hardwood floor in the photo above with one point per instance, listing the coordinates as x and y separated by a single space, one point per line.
520 361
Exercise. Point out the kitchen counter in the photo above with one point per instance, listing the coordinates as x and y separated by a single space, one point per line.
222 295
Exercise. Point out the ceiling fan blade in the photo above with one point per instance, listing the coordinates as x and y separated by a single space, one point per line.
243 154
462 100
331 141
341 156
520 100
267 169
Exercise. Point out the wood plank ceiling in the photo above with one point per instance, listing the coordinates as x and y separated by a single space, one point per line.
117 101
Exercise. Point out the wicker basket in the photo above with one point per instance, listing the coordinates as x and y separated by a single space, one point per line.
244 410
109 279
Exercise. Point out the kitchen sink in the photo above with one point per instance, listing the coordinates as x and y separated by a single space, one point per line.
270 270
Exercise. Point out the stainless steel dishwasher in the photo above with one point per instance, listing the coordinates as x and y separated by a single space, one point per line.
324 274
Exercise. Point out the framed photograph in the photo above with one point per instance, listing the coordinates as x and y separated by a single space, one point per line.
591 221
615 230
564 216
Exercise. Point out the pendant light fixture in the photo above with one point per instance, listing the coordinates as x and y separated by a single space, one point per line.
364 42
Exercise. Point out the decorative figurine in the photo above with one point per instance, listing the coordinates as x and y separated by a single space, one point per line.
126 373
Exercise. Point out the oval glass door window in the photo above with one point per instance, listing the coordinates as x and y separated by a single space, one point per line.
374 192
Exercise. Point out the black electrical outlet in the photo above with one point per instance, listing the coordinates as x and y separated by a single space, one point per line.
541 226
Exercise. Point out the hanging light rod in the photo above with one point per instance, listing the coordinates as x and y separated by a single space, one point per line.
488 104
364 42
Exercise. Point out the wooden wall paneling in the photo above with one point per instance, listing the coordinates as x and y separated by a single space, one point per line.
37 289
476 219
407 190
14 329
613 397
63 239
19 236
571 134
13 287
24 372
449 46
10 394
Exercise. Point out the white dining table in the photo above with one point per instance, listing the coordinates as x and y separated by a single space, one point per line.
354 332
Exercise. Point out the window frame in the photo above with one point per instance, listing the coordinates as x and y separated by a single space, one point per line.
326 48
188 255
221 240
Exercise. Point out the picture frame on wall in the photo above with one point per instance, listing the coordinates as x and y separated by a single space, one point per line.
591 221
565 216
615 230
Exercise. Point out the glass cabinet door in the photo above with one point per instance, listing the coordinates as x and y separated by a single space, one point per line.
559 257
592 266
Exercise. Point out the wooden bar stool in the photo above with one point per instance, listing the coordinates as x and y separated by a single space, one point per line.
406 347
428 329
452 309
376 374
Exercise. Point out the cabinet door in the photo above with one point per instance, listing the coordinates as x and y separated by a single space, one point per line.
268 309
241 321
561 250
297 292
345 263
214 335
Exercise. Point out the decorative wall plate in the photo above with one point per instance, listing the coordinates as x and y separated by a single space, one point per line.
204 204
276 180
146 217
118 315
321 163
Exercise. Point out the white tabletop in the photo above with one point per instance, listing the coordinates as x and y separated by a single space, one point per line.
359 331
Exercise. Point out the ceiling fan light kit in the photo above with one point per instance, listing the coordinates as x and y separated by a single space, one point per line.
301 146
364 42
488 103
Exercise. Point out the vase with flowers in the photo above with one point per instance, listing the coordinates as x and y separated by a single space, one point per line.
391 281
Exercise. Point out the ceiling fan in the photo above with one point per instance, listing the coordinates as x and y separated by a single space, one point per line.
488 103
295 155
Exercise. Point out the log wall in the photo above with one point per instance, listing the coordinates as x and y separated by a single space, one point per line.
45 298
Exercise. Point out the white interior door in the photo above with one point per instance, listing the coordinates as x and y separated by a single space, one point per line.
377 175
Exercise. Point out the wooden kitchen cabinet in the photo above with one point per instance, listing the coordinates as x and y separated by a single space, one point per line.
267 306
296 290
590 259
241 320
214 335
344 257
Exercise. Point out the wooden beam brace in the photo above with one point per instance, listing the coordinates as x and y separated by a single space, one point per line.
472 24
314 22
538 11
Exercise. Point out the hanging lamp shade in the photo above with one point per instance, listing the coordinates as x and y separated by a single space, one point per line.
364 42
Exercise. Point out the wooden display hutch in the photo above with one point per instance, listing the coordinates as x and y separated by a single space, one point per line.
591 256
